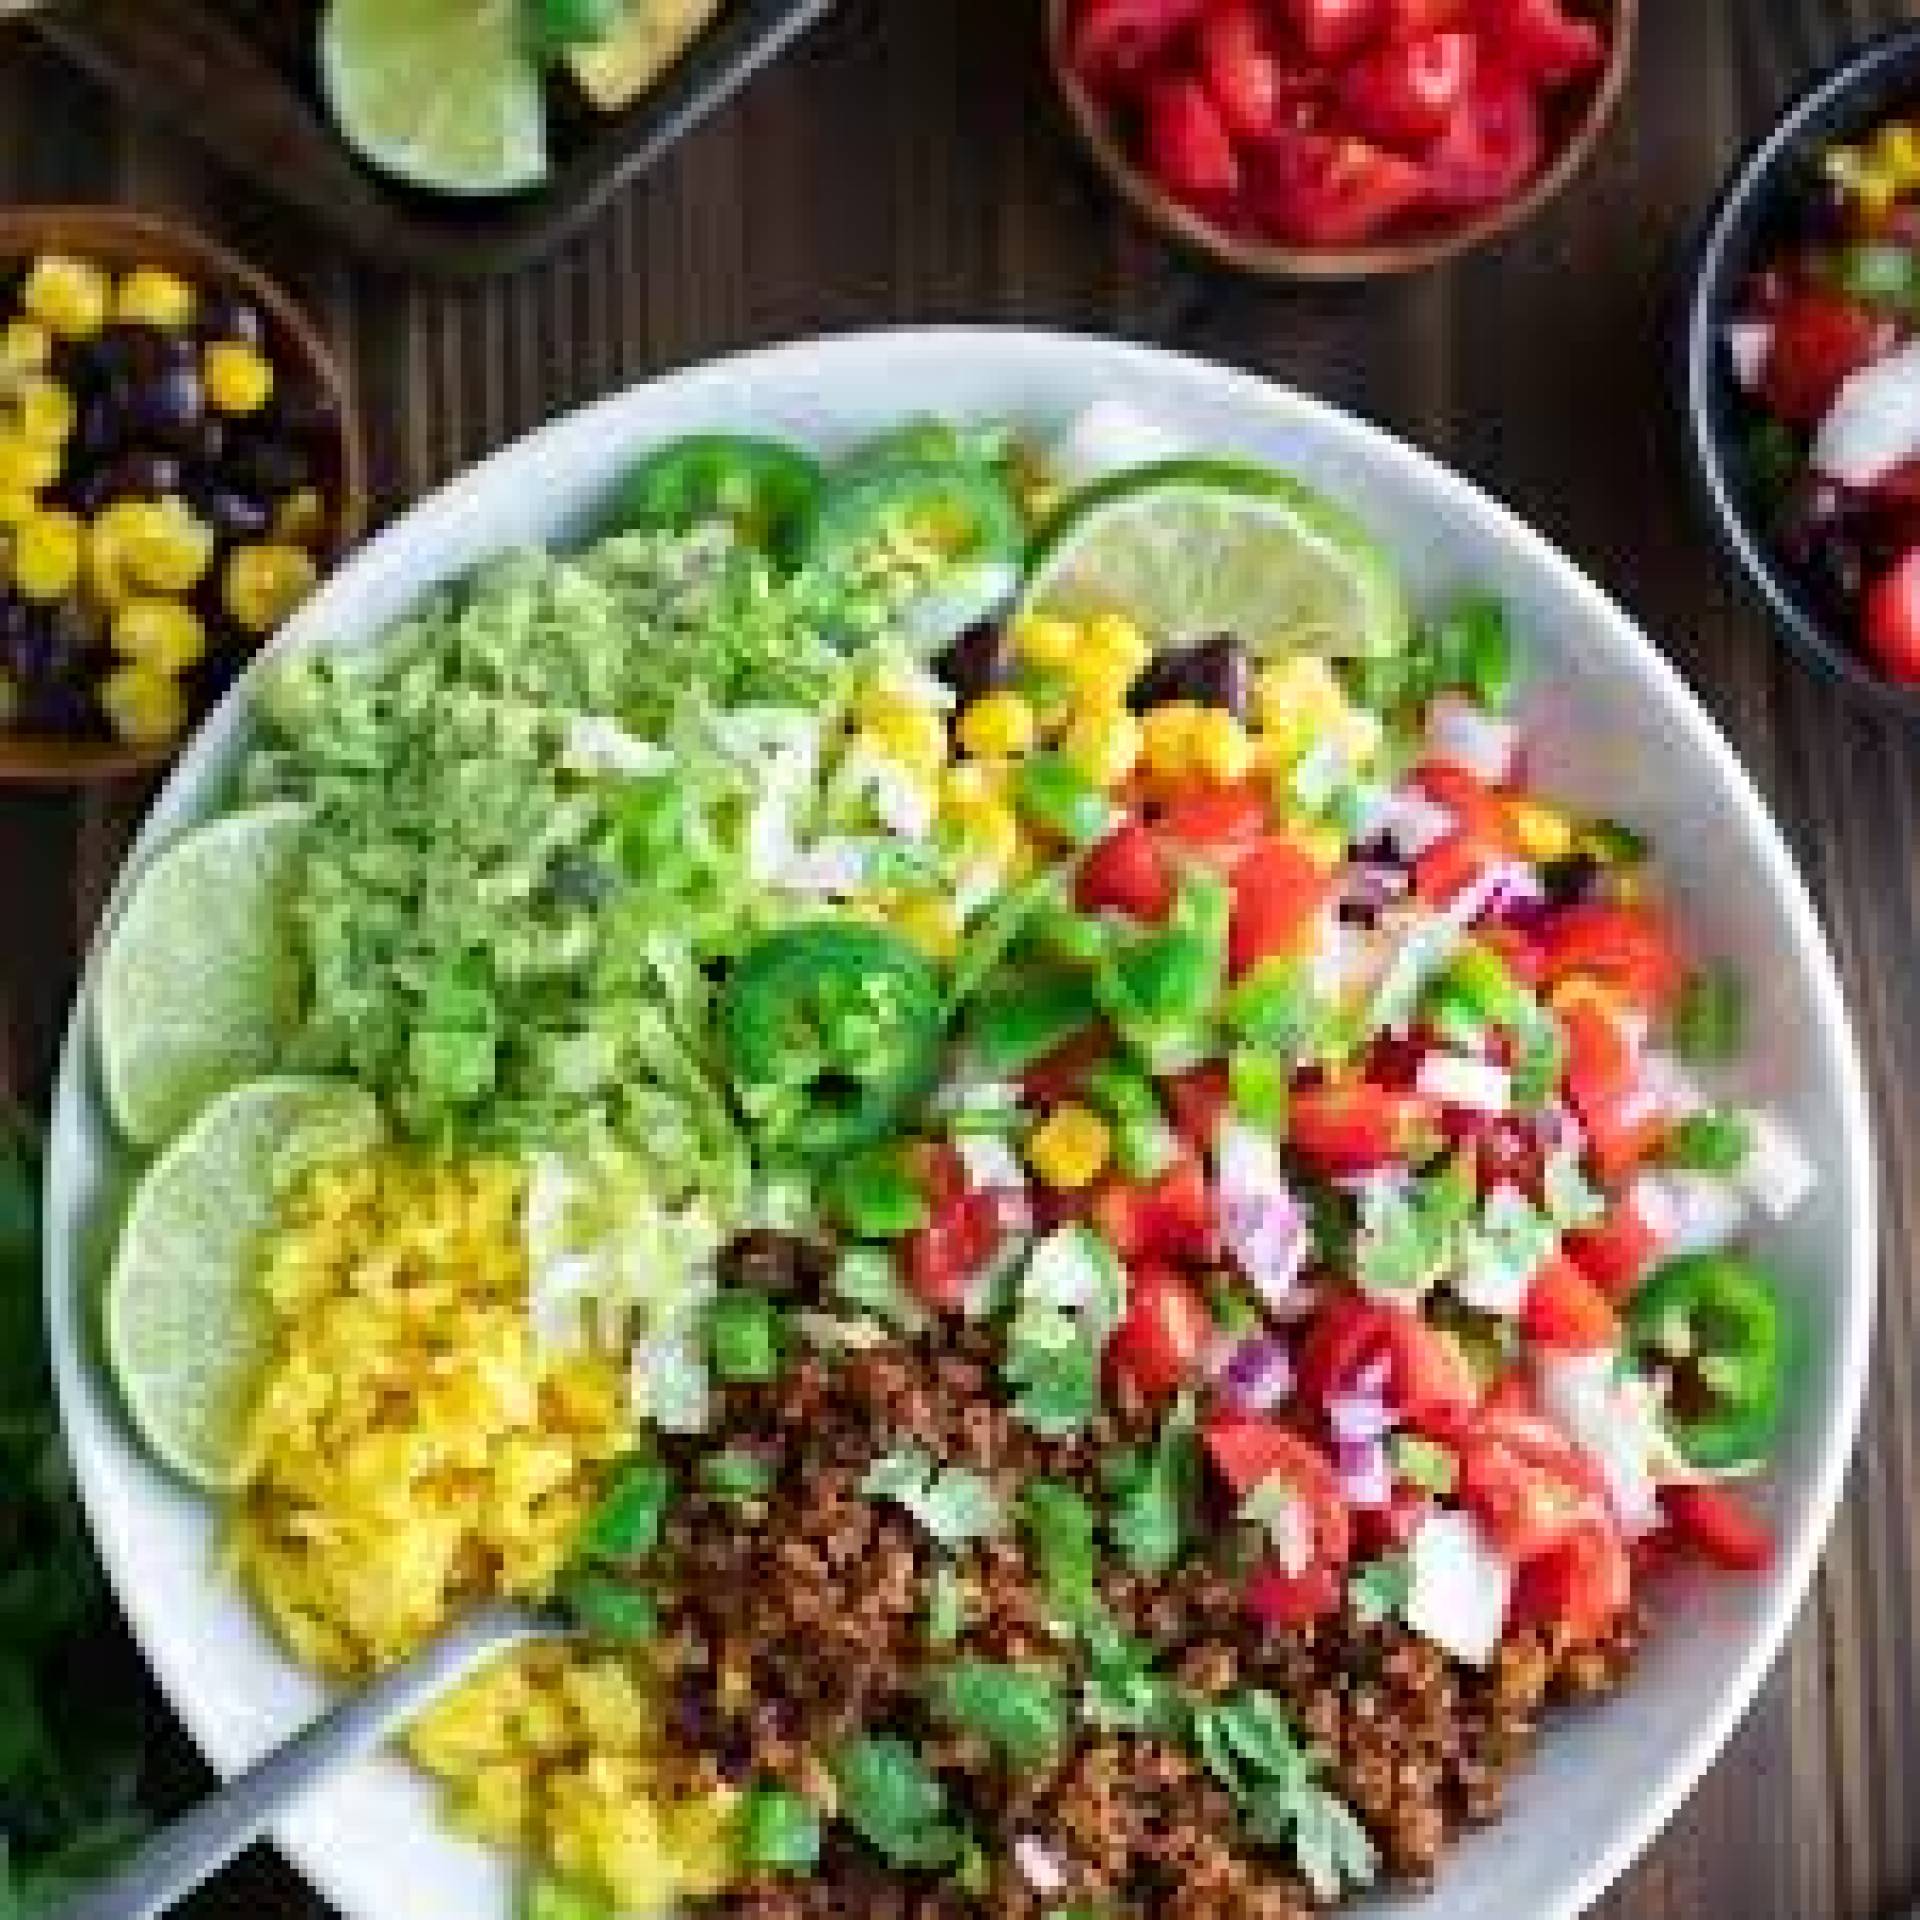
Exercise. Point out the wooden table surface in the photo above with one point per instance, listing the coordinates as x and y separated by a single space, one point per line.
905 164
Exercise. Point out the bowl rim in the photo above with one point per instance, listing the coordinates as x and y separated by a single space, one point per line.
1384 259
1024 358
1718 256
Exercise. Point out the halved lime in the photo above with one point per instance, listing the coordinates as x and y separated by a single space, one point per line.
198 981
443 94
1191 548
187 1328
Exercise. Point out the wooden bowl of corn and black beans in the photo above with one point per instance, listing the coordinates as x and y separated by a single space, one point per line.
179 464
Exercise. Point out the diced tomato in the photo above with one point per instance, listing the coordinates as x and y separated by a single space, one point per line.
1329 190
1188 147
1449 867
1405 93
1581 1585
1171 1218
1390 1529
1714 1523
1491 147
1353 1127
1060 1076
1628 948
1512 1393
1517 948
1526 1483
1548 45
1219 822
943 1257
1602 1060
1164 1338
1116 41
1409 19
1506 1149
1622 1140
1248 1452
1566 1313
1901 487
1428 1381
1278 889
941 1172
1482 833
1333 29
1241 68
1196 1101
1283 1602
1127 873
1819 340
1891 619
1616 1254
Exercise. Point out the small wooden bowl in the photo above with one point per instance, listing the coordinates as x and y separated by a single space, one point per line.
118 238
1574 130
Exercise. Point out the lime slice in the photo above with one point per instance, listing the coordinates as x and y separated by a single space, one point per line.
439 93
1195 547
198 982
187 1329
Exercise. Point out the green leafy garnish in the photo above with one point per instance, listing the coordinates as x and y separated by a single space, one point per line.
954 1504
626 1524
1409 1236
1378 1590
1059 1526
1122 1692
889 1798
1716 1141
1153 1509
1016 1710
946 1607
779 1831
1710 1020
1072 1296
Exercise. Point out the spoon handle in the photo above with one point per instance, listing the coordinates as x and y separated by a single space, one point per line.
196 1846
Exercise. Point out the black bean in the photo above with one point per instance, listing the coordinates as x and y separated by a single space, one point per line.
1571 882
206 444
776 1264
100 430
977 662
1212 673
266 464
141 473
227 314
233 515
167 406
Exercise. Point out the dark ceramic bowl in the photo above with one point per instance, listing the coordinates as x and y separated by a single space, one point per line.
1748 220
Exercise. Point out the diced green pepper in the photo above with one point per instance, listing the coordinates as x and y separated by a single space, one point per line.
626 1524
609 1608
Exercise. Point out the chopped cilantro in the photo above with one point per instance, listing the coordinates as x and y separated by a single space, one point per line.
889 1798
1016 1710
1716 1141
954 1504
1153 1509
1378 1590
1710 1020
946 1607
1060 1535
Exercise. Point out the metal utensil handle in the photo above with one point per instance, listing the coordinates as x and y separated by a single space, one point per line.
196 1846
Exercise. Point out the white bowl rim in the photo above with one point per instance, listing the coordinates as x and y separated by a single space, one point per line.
1454 495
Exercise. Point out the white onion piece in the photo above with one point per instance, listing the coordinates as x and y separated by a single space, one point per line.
595 744
1111 436
964 598
1667 1082
1748 344
990 1162
1256 1374
1691 1212
1264 1225
1357 1418
1414 823
1469 737
1456 1080
1776 1175
1460 1588
1039 1866
1873 425
1615 1420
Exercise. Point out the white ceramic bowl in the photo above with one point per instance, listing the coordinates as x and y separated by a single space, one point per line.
1614 726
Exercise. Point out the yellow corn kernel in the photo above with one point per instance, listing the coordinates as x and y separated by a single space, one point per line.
156 545
998 726
929 923
67 296
43 410
47 548
144 705
263 584
1543 833
27 466
970 781
1322 842
153 297
166 635
1166 738
985 831
1042 640
904 730
1069 1148
1896 151
1112 647
238 377
25 346
16 507
1219 746
1104 745
1294 701
301 518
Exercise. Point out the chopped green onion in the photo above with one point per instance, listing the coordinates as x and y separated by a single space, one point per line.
609 1608
1710 1020
626 1524
1257 1087
744 1335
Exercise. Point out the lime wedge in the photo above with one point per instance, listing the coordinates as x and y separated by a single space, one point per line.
197 982
439 93
1195 547
187 1329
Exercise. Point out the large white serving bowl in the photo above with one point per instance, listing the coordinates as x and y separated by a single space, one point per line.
1613 726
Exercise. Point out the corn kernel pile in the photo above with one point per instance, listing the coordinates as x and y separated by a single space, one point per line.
159 506
1881 170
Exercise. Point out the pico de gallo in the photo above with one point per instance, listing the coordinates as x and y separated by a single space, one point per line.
1335 123
1826 349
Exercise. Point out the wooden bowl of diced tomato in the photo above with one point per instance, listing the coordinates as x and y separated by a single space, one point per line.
1340 139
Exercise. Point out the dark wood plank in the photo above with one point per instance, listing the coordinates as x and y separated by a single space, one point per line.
905 164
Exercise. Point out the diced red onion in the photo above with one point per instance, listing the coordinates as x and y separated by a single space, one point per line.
1371 883
1457 1080
1265 1227
1413 823
1039 1866
1470 738
1873 426
1258 1374
1357 1418
1012 1209
1557 1127
1748 344
1373 1378
1365 1478
1689 1212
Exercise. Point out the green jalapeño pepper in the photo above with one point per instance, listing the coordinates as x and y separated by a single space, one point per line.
917 518
1021 1017
1713 1319
831 1030
766 492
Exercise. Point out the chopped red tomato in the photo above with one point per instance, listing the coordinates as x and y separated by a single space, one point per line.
1630 949
1188 147
1164 1338
1332 29
1060 1076
1891 619
1714 1523
1170 1218
944 1257
1492 146
940 1171
1278 889
1624 1138
1482 833
1428 1381
1819 340
1405 94
1241 68
1566 1313
1248 1453
1581 1585
1354 1128
1409 19
1333 190
1602 1058
1196 1101
1526 1483
1390 1529
1282 1602
1115 41
1616 1254
1545 43
1218 822
1126 873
